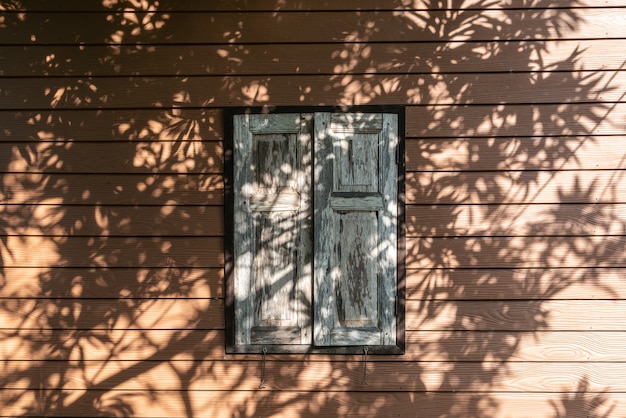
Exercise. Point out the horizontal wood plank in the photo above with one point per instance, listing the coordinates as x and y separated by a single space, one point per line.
443 89
98 220
105 283
515 153
516 284
516 316
508 120
115 157
467 121
329 59
134 345
423 154
384 26
515 220
140 126
103 251
281 404
113 189
334 376
515 187
179 313
461 284
516 252
309 5
174 313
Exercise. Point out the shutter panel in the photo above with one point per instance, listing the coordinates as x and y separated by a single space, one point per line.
272 233
355 224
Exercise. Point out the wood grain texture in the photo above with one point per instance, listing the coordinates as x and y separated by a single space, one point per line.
479 89
583 283
309 5
426 284
91 220
515 315
593 152
121 156
466 121
105 283
329 59
45 314
340 404
142 127
498 316
516 252
344 376
164 345
389 26
103 251
355 155
114 189
111 194
515 187
271 238
558 219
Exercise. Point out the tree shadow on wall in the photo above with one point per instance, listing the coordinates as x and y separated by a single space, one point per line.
112 221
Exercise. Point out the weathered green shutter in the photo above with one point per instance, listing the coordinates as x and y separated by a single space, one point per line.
272 270
355 224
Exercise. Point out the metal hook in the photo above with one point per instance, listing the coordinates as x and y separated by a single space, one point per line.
365 350
262 385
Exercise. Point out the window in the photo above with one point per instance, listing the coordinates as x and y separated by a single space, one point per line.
314 231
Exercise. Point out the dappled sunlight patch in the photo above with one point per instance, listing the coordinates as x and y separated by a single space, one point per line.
509 222
256 92
135 19
435 377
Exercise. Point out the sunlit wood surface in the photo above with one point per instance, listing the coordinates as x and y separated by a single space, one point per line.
112 203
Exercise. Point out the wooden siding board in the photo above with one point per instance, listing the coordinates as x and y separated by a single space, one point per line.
133 345
137 220
344 376
516 252
517 315
511 316
139 126
444 89
593 152
117 251
465 121
280 404
530 317
603 283
312 59
309 5
422 284
568 283
372 26
114 189
96 315
113 283
117 157
576 219
519 187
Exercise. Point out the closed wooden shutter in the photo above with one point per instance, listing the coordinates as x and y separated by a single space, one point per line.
272 213
355 223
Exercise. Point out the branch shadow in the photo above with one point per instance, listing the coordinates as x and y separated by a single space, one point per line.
111 221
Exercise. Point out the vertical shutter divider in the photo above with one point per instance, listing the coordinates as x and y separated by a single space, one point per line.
322 248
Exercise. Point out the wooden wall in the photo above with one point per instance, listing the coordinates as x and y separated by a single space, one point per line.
111 203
